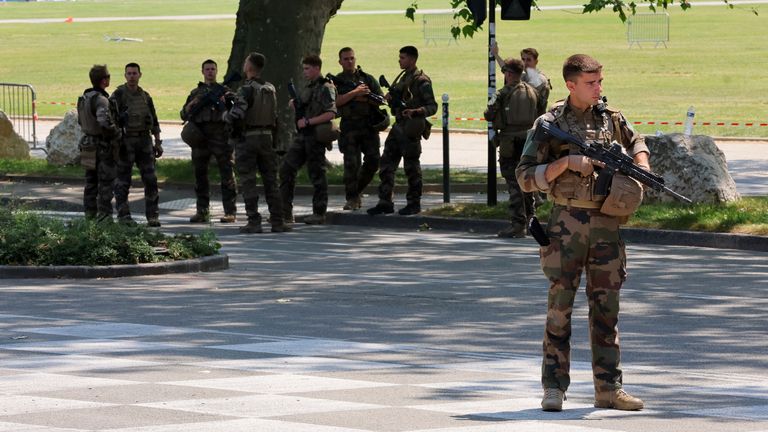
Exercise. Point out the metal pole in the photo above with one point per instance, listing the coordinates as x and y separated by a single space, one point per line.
491 92
446 156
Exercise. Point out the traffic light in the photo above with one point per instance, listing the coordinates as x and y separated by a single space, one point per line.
479 10
518 10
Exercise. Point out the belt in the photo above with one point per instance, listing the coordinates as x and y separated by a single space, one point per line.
261 131
136 134
578 203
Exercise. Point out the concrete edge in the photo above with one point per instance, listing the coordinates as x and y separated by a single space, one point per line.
632 235
195 265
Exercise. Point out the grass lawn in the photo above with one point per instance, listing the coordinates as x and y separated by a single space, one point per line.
716 58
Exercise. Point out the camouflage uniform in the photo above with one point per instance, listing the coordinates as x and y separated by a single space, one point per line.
582 238
256 109
358 136
209 121
96 117
319 97
513 111
404 140
137 116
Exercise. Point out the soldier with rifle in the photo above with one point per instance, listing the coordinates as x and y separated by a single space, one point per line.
315 107
412 100
358 101
206 133
583 230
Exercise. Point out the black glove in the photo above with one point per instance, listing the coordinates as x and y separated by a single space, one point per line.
158 148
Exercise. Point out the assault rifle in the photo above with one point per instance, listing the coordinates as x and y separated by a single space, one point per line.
213 97
613 158
299 108
346 86
396 102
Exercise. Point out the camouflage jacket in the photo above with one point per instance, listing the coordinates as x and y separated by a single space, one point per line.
211 113
605 127
415 89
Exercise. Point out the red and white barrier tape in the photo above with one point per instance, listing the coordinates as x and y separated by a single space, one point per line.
651 123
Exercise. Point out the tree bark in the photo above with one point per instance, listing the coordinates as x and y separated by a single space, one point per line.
284 31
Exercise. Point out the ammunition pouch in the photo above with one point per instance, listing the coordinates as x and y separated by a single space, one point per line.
624 198
414 127
192 135
326 133
88 150
427 129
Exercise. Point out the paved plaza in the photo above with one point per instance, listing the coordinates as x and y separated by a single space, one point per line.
351 329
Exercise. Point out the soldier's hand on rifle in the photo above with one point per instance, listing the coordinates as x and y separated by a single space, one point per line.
582 164
412 112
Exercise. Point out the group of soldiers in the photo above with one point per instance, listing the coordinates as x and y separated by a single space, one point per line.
583 228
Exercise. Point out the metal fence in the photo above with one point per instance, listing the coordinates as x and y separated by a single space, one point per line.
18 102
648 27
437 27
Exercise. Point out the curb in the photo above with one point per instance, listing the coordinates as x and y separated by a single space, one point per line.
632 235
204 264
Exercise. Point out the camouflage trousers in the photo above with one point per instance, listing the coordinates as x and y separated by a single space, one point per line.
359 173
138 150
521 206
396 147
583 240
99 182
218 147
304 150
256 156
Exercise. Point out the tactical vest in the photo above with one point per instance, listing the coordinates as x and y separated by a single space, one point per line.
210 113
518 105
355 110
312 97
570 185
86 113
135 105
261 107
404 84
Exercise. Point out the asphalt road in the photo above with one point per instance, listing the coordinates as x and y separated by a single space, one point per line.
340 329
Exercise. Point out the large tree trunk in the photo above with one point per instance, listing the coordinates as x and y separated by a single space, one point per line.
284 31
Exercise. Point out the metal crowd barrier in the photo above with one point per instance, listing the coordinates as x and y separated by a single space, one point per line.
19 103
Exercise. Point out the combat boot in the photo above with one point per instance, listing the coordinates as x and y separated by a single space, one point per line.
228 218
381 208
153 222
512 231
252 227
126 220
553 399
410 209
353 203
202 216
618 399
315 219
281 227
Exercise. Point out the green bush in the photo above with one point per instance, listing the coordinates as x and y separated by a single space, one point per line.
28 238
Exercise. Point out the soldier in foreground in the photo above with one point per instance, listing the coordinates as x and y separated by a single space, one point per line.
206 134
97 148
138 120
412 101
315 107
255 113
583 232
361 122
513 111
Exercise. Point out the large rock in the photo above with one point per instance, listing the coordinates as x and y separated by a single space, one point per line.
692 166
12 146
62 142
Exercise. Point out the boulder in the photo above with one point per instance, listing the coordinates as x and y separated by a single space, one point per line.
62 142
12 146
692 166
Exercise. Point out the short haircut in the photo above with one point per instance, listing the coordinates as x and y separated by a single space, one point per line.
209 61
256 60
531 52
312 60
514 65
98 73
134 65
410 50
577 64
343 50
